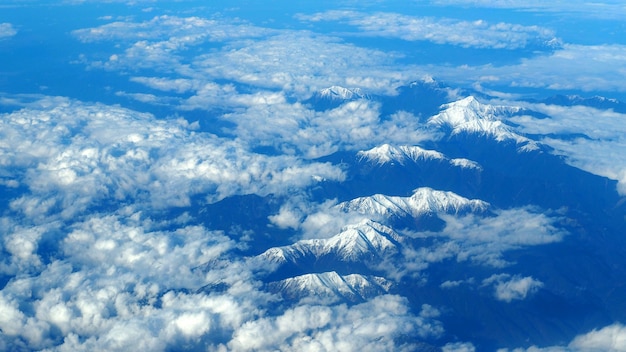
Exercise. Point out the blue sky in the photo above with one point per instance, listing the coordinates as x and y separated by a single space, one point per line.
119 116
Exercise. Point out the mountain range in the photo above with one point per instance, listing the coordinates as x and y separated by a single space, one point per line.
416 218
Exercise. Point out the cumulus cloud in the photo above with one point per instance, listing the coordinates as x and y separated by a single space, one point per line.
354 125
339 328
124 280
509 288
477 34
7 30
610 338
74 155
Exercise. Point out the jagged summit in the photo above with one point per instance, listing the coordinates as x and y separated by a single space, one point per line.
423 201
468 115
361 241
330 286
341 93
469 110
387 153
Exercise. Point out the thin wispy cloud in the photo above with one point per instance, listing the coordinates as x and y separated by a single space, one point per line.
7 30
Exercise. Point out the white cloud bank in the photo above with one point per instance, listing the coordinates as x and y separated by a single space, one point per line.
296 62
320 328
475 34
75 155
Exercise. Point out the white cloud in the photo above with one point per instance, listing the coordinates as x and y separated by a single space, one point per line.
478 34
509 288
603 149
74 155
297 62
121 280
579 67
7 30
180 31
178 85
352 126
485 239
339 328
459 347
611 338
302 62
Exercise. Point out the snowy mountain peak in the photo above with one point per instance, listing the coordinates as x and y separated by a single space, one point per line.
331 286
364 240
387 153
341 93
471 116
469 110
423 201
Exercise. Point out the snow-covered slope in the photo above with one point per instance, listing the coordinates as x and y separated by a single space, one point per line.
423 201
470 116
360 242
340 93
331 287
385 154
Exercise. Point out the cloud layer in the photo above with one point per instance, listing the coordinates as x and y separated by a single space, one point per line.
475 34
105 248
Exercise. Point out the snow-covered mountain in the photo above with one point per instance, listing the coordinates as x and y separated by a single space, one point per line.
386 153
341 93
330 287
423 201
362 242
334 96
468 115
